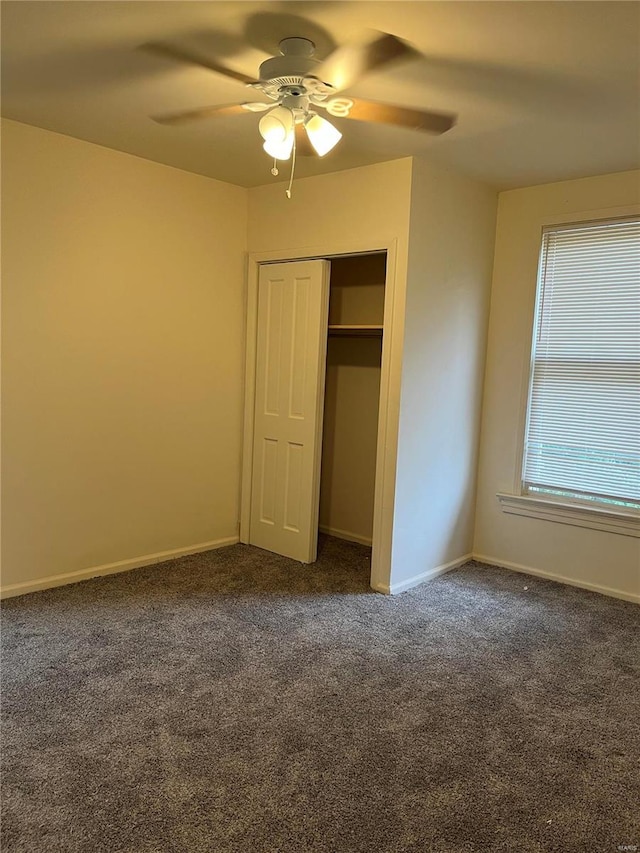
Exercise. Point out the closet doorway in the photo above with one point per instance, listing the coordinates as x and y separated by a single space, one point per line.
352 397
337 474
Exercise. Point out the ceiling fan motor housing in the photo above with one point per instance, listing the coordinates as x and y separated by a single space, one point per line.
290 69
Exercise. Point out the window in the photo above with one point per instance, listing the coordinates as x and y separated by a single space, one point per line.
582 439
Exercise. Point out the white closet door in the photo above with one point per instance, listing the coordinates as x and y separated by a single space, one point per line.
293 307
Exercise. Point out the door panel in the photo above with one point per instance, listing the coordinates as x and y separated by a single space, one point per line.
293 492
272 344
293 305
268 481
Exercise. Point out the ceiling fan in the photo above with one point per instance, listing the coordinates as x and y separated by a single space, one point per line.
299 87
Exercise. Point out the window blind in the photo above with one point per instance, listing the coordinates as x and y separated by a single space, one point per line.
583 423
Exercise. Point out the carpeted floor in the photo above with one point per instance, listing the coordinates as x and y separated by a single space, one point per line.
237 701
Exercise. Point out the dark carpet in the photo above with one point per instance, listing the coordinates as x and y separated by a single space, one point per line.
238 701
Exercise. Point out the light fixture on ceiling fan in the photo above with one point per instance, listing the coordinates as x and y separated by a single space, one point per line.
278 126
295 84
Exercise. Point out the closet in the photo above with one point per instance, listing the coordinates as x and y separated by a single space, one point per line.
314 421
352 394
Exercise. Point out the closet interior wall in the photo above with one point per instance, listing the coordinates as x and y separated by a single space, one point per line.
352 396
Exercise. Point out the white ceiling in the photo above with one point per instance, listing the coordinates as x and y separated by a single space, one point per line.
544 91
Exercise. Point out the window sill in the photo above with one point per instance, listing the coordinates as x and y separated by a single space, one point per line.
595 517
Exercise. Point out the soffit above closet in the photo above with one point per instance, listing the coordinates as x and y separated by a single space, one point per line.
544 91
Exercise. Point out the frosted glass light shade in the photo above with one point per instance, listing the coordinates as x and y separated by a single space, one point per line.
276 125
279 149
322 135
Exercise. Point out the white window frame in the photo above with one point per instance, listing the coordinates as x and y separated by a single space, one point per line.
563 510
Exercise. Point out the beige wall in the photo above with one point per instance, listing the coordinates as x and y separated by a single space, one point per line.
123 287
448 288
357 209
356 206
603 560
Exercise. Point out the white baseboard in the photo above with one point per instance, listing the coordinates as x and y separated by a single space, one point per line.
528 570
396 588
112 568
346 534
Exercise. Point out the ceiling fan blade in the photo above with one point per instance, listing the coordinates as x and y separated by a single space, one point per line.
424 120
208 112
304 148
350 62
179 55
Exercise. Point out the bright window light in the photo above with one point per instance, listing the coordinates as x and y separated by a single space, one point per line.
583 419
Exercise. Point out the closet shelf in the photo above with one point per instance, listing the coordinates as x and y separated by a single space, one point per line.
367 331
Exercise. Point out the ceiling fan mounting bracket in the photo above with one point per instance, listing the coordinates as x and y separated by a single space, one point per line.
296 46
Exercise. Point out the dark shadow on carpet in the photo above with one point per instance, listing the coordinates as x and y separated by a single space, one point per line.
238 701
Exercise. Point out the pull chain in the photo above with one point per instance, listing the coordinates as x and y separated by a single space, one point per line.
293 167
